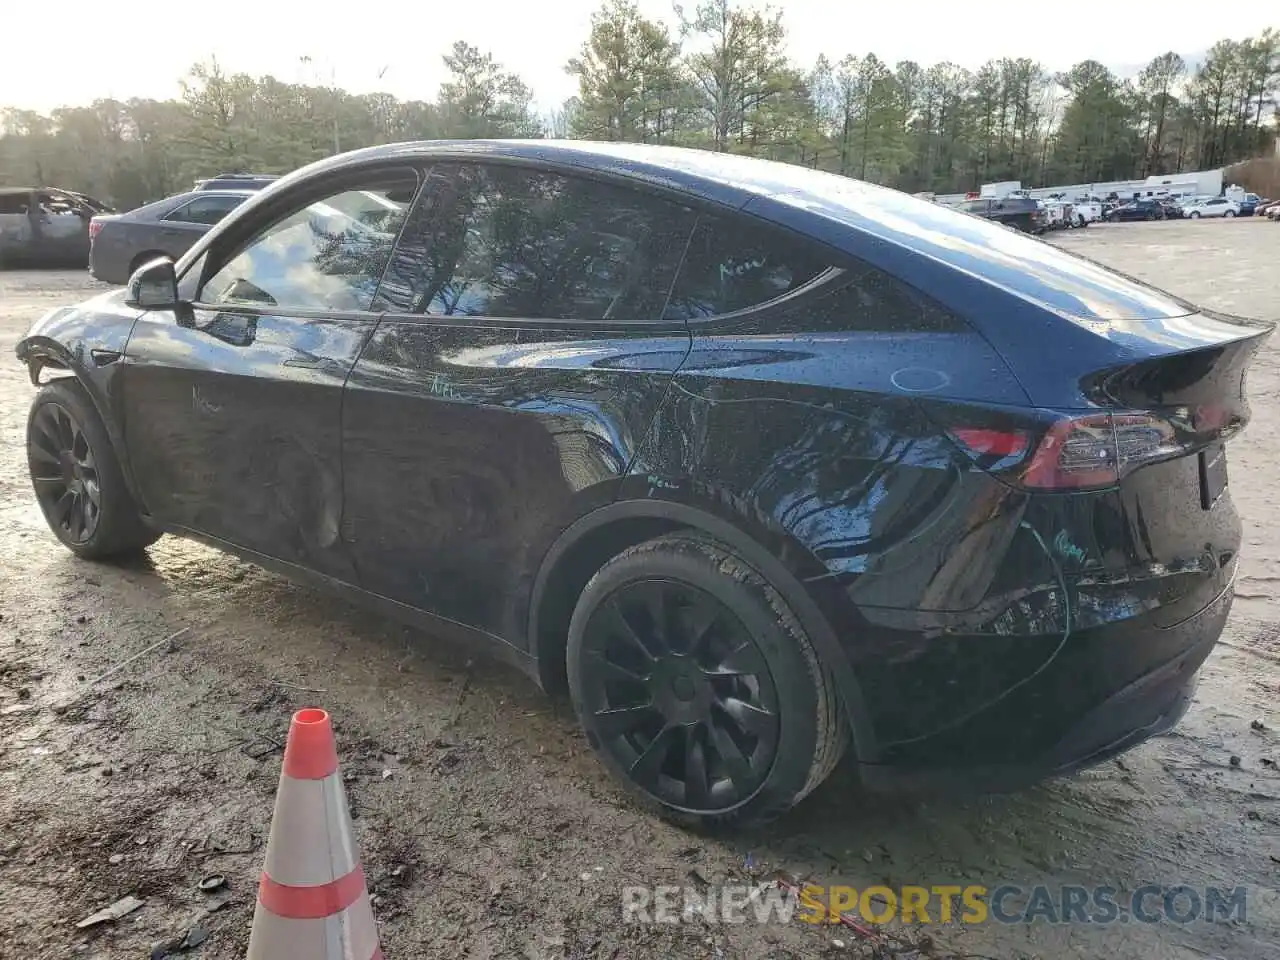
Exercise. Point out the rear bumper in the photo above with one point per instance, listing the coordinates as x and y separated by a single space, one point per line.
1150 705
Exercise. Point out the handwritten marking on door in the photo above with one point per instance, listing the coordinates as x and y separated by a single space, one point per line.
1067 550
440 387
201 404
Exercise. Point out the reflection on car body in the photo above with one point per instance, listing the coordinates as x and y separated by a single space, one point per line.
120 243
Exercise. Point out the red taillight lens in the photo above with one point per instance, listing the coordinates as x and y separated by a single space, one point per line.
95 225
1075 453
992 443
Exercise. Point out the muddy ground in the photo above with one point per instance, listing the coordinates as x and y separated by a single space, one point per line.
479 809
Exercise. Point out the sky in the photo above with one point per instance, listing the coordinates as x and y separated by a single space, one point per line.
397 47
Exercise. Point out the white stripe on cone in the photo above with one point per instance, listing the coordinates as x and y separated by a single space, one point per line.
310 839
349 935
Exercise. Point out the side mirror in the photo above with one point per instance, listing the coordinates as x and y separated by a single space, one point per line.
153 286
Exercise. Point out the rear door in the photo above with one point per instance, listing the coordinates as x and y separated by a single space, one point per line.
178 230
232 408
522 359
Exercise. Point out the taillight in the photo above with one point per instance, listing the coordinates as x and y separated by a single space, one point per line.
1074 453
95 225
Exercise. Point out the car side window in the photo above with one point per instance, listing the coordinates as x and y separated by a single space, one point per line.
326 255
875 301
513 242
206 210
734 263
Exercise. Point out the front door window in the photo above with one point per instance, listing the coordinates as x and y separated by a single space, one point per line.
328 255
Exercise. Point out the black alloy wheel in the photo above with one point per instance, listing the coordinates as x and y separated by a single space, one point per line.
697 686
684 697
64 473
76 477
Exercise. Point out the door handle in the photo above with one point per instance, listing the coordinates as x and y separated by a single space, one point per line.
104 357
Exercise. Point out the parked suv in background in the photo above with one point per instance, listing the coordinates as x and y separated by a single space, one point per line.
1085 212
1145 209
1250 204
1213 207
1021 213
120 243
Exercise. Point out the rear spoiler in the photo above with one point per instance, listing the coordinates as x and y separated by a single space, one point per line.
1205 388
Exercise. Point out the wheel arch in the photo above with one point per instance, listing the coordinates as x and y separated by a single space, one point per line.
146 257
42 354
593 539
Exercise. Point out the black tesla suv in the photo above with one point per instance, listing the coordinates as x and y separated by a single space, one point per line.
766 465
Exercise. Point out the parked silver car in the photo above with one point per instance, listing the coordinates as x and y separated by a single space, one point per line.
120 243
45 226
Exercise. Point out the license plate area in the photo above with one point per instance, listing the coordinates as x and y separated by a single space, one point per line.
1213 475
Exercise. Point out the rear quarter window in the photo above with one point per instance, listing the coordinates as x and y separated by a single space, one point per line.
737 264
733 264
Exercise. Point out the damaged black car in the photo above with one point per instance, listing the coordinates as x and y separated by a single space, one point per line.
766 467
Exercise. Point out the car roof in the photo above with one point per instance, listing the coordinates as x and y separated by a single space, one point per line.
229 179
11 191
161 207
218 192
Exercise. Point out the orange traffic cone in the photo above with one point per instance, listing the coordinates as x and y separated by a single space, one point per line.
312 901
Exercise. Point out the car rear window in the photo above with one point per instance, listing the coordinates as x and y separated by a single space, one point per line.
1024 265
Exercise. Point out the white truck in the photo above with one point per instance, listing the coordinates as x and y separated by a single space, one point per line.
1085 212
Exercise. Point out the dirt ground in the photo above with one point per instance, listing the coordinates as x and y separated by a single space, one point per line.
486 827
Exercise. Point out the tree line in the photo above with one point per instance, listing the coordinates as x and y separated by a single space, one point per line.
719 80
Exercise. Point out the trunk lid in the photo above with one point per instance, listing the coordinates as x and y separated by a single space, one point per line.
1169 535
97 222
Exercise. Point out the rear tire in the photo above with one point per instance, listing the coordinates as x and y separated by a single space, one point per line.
1229 213
77 479
697 687
144 258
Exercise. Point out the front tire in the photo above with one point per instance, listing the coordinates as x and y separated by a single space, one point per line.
697 686
77 479
1195 215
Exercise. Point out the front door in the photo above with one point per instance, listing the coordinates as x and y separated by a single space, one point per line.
505 392
63 232
232 406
